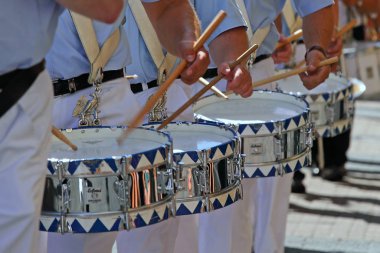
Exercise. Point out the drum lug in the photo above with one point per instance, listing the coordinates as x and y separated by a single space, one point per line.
123 191
65 197
204 173
178 169
330 114
349 105
309 134
280 170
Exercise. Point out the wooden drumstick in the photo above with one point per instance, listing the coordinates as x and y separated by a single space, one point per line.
173 76
295 36
57 133
346 28
292 72
213 88
214 81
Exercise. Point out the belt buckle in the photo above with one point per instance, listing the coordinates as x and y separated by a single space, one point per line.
72 85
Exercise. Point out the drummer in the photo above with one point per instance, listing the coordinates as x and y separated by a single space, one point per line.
262 212
27 28
116 104
232 28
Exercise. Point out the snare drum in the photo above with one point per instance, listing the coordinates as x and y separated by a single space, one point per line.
105 187
207 166
331 103
274 127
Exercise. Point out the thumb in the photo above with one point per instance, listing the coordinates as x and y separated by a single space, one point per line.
186 50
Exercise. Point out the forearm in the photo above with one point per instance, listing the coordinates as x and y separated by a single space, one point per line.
103 10
174 21
317 28
222 50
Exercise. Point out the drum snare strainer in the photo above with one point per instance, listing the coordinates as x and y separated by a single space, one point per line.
207 166
105 187
274 127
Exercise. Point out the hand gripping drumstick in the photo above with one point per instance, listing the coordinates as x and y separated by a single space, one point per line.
57 133
173 76
291 73
235 63
295 36
213 88
349 26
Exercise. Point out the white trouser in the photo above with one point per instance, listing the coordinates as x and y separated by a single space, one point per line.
24 143
118 105
234 228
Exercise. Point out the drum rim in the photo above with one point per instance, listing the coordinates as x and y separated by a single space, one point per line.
76 163
232 142
269 124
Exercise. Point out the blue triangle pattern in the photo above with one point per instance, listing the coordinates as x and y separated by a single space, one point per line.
139 221
162 152
212 152
198 209
42 227
272 172
166 214
255 127
54 226
111 163
223 148
298 166
258 173
77 227
98 227
287 168
182 210
287 123
73 166
326 96
116 225
241 128
93 165
305 163
217 204
135 160
151 155
297 120
155 218
50 167
193 155
229 201
270 126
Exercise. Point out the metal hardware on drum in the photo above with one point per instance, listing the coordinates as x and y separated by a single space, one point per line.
126 187
274 144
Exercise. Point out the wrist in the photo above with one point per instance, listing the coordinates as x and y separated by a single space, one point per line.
316 48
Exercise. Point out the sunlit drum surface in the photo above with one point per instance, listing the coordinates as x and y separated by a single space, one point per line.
105 187
274 128
207 167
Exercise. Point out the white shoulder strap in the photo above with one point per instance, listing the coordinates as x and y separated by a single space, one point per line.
163 63
293 21
97 57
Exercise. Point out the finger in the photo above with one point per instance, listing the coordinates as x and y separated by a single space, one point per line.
187 50
225 70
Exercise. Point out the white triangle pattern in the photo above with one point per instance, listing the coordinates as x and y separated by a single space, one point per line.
187 160
229 150
47 221
109 222
218 154
144 162
158 159
85 223
146 215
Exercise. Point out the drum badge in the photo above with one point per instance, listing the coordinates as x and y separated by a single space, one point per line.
87 110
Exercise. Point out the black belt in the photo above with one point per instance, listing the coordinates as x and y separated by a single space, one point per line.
62 87
14 84
211 73
138 87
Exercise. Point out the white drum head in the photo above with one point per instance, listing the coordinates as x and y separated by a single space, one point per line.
261 107
294 85
98 143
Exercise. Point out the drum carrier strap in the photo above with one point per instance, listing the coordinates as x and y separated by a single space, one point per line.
293 21
254 38
163 63
98 57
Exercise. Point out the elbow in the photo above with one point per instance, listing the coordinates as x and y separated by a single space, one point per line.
111 12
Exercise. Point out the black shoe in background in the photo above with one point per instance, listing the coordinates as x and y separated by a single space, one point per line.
333 173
